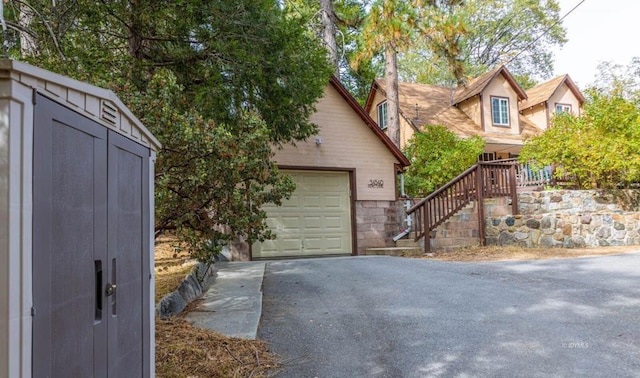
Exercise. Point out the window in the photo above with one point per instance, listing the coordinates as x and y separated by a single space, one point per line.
500 111
563 108
382 115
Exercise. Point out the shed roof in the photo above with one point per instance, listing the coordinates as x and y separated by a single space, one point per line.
99 104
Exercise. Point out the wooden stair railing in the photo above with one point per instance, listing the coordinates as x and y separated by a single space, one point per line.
483 180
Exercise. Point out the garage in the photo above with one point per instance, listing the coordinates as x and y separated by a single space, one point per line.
315 221
346 199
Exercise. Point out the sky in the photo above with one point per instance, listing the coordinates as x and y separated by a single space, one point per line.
597 31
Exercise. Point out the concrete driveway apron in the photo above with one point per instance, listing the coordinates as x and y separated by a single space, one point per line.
396 317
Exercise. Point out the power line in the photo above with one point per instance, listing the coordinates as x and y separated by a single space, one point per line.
545 32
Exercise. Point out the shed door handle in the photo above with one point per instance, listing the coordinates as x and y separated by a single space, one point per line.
110 290
98 279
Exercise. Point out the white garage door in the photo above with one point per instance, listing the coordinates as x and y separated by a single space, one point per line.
315 221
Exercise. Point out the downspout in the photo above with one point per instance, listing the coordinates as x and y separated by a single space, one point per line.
407 205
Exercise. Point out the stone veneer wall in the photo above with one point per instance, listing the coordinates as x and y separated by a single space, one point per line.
569 219
461 230
376 224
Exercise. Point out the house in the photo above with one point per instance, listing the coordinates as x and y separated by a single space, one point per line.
558 95
488 106
346 190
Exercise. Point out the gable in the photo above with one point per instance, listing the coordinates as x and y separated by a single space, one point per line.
478 85
346 141
544 92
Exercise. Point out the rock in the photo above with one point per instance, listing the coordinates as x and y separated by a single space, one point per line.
578 241
547 241
171 305
548 222
533 224
586 219
567 243
190 288
506 238
566 229
618 226
510 221
603 233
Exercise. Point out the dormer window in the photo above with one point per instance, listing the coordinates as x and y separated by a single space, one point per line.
382 115
500 111
563 108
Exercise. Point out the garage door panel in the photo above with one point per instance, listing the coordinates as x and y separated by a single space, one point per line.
335 244
315 221
289 223
333 202
334 223
312 202
292 203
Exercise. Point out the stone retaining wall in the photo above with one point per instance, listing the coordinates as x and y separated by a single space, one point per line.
569 219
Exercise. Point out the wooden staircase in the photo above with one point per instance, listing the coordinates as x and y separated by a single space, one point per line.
483 180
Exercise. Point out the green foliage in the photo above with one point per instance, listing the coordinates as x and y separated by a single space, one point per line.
437 156
622 80
600 147
494 32
218 83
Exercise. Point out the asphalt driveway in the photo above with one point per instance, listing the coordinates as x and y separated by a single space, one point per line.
394 317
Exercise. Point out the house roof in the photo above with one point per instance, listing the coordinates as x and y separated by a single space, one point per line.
369 121
478 84
543 92
434 107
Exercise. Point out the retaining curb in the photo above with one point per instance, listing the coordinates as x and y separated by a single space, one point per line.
191 288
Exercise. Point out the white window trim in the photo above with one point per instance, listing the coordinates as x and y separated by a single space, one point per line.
505 101
383 119
564 108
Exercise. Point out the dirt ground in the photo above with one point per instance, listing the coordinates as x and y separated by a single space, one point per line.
494 253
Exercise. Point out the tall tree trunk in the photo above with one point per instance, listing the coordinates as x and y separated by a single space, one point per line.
28 44
391 78
329 33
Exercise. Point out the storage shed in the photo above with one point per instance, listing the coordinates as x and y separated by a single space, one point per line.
76 229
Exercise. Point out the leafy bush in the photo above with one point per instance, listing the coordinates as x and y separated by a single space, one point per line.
600 147
437 156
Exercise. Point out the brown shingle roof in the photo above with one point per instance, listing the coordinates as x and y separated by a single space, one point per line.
477 85
435 108
543 92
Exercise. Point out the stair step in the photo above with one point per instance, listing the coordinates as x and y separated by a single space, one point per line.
395 251
407 243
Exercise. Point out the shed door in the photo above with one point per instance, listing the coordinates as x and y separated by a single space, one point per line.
86 218
315 221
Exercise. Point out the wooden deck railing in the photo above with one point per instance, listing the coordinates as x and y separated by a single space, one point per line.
483 180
